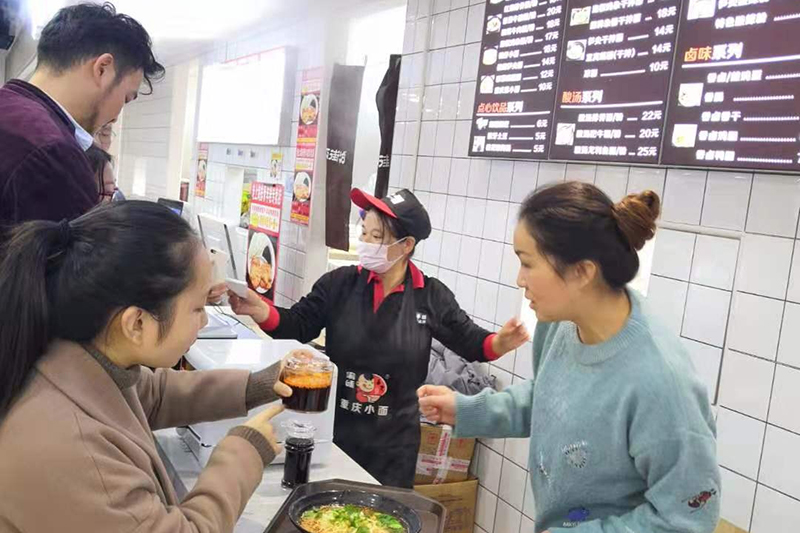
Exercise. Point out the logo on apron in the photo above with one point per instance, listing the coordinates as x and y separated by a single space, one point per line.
368 389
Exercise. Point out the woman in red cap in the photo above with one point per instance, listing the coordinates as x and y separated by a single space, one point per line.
380 318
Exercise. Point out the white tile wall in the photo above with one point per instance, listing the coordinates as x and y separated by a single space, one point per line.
739 442
714 262
781 462
774 206
738 495
789 349
755 325
726 200
784 410
774 512
612 180
746 384
706 315
793 293
683 196
672 257
765 265
706 360
667 301
716 293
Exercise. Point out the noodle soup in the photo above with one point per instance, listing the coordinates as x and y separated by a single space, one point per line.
349 519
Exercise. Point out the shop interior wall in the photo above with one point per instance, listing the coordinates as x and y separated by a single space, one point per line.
150 165
148 127
725 275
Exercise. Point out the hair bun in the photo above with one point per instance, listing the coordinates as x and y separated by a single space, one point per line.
636 217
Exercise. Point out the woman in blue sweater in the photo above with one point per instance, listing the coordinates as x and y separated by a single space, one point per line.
622 433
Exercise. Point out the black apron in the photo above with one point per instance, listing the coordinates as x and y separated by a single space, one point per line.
381 361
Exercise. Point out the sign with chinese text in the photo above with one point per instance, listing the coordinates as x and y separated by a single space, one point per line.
266 206
735 96
307 130
613 81
345 97
517 78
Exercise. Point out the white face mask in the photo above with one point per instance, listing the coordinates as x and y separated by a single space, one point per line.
375 257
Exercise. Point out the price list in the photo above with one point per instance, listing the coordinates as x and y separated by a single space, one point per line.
735 94
517 77
615 70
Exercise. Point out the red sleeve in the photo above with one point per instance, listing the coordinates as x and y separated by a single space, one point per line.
274 320
488 352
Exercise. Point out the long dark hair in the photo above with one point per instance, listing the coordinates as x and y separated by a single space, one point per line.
576 221
68 280
98 159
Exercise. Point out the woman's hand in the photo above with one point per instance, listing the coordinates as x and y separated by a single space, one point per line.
216 293
513 335
252 306
438 404
261 423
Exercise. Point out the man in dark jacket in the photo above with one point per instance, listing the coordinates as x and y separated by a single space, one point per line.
91 62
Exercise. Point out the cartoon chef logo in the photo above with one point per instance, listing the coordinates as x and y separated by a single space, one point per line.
370 388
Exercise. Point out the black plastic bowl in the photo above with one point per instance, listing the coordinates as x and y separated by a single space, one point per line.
407 516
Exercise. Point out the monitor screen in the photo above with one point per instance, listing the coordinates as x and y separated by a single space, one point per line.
175 205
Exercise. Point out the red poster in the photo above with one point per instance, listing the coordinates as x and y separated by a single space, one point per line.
266 206
202 168
307 128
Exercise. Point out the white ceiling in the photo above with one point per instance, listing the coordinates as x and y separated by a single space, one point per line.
181 27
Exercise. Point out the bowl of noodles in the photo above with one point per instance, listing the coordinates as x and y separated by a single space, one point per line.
302 187
352 511
260 261
309 109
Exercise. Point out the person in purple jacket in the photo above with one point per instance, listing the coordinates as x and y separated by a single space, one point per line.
91 61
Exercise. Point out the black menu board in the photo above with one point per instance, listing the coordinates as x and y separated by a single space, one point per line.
615 69
735 94
517 78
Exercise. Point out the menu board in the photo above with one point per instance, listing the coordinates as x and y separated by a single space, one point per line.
734 95
517 78
615 70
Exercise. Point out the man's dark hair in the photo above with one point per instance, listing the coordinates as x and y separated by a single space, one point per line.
85 31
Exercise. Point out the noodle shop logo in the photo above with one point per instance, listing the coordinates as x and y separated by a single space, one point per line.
370 388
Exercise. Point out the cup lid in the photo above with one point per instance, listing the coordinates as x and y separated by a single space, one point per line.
307 361
298 429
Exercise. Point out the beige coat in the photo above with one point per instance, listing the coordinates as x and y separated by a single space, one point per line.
77 453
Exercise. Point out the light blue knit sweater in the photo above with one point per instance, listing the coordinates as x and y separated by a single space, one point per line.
622 435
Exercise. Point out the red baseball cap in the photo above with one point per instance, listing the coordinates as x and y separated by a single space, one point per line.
402 206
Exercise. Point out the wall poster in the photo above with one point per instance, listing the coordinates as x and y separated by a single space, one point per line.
266 205
202 170
307 132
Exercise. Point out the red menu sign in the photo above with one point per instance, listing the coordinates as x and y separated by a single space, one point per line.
266 206
307 130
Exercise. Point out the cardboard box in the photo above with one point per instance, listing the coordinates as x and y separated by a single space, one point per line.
727 527
442 458
459 499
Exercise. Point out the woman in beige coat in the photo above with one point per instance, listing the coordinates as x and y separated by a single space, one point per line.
87 307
